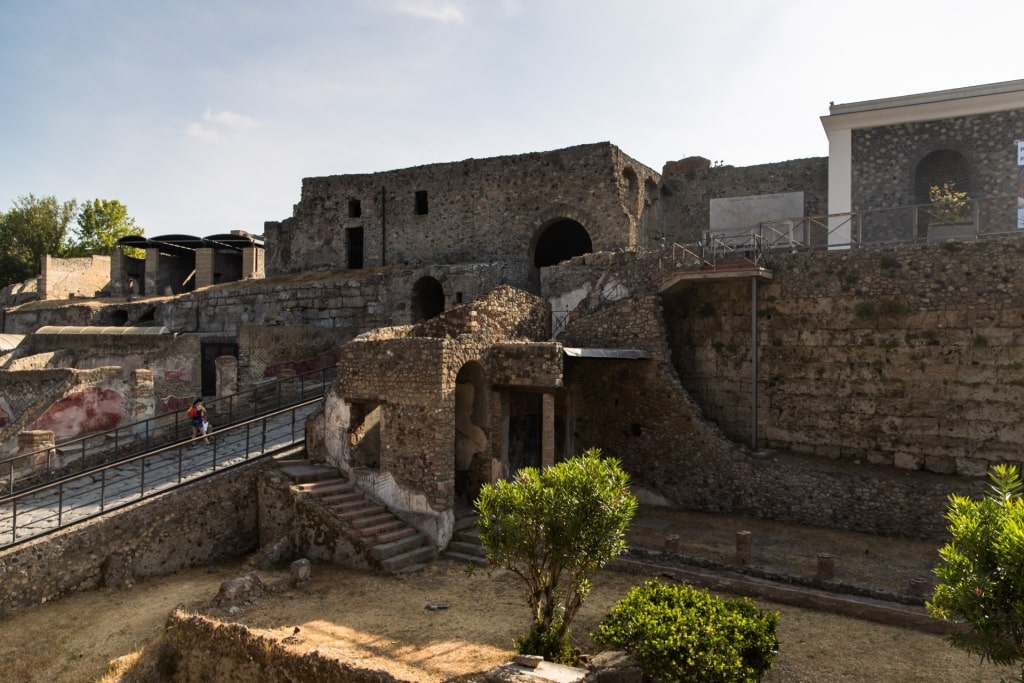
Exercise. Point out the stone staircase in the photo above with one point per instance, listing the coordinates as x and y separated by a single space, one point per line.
465 545
391 544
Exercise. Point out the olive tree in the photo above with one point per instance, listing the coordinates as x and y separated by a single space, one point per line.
981 572
553 527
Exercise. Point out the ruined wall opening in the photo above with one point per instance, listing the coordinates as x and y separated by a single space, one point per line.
650 232
472 416
427 299
560 241
421 205
209 352
524 431
364 434
354 248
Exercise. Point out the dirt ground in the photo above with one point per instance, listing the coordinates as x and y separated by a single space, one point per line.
382 622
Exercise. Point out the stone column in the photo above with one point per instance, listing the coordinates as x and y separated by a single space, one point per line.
547 430
252 263
227 375
744 547
118 281
204 267
152 285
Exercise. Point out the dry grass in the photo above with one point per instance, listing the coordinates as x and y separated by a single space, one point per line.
374 621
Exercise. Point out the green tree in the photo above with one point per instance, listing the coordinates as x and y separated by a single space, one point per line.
101 223
33 228
553 527
981 573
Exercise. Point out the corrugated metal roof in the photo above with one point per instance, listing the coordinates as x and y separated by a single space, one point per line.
10 341
72 329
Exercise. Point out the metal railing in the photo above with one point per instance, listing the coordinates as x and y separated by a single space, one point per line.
983 218
76 498
76 455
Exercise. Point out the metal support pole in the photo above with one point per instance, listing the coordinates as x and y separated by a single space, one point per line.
753 364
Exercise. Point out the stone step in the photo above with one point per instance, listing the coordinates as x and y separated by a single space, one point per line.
467 559
341 498
370 520
383 526
404 561
468 535
365 508
308 473
465 521
464 548
382 551
396 534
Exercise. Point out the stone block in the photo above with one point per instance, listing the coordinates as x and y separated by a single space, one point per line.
907 461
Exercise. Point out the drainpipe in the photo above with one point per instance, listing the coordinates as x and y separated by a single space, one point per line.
383 225
753 364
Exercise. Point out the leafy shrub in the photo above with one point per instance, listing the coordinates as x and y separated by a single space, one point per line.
980 572
679 633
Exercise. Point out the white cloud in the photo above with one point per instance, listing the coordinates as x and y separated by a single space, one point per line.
200 132
219 124
444 12
229 119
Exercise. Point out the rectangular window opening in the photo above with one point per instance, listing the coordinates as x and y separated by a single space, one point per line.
421 202
355 209
354 242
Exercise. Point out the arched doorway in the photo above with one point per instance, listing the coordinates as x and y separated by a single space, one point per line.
427 299
472 419
559 240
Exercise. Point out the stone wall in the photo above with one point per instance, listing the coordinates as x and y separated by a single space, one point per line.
689 185
200 523
910 358
886 158
69 278
407 378
476 210
639 412
205 649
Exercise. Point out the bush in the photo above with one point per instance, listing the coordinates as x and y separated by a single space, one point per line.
679 633
980 578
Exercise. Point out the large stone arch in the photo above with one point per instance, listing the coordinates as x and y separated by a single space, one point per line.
559 237
472 419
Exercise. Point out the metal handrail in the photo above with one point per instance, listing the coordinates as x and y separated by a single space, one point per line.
85 495
43 465
986 217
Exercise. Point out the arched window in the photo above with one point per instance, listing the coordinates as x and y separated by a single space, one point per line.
940 167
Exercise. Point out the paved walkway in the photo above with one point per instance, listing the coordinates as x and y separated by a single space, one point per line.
33 514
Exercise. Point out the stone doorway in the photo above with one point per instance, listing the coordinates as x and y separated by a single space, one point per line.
472 418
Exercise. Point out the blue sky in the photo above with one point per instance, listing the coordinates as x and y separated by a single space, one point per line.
203 116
